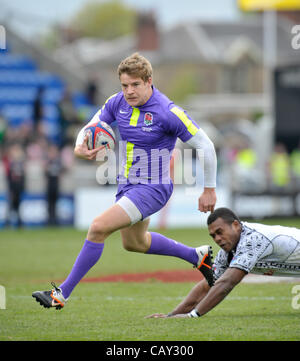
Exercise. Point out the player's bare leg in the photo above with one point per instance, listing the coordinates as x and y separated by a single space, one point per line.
102 226
109 221
136 238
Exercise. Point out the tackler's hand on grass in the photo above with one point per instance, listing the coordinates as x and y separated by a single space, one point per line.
157 315
162 315
180 315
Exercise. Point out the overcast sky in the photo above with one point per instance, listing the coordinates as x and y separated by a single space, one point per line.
34 16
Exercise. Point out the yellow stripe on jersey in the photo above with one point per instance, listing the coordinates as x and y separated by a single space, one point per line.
129 158
187 122
134 117
110 97
107 101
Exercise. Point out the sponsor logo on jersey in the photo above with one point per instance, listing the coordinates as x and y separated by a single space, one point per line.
277 265
145 129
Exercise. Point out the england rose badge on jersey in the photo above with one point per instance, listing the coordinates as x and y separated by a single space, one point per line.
148 119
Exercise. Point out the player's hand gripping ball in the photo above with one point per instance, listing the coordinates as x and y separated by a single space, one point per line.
100 134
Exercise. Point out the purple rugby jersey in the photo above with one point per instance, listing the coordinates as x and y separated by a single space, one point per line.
148 136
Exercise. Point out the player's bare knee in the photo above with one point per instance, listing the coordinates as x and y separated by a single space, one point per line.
133 246
97 231
129 245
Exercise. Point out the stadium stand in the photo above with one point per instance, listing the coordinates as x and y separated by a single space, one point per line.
20 81
24 80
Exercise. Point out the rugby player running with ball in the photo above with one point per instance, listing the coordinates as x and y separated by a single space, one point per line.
137 107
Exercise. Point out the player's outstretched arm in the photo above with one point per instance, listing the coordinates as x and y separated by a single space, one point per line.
216 294
197 293
207 157
207 200
224 285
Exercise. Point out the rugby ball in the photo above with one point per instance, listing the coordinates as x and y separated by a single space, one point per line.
100 134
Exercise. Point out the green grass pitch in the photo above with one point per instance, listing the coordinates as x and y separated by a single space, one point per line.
30 259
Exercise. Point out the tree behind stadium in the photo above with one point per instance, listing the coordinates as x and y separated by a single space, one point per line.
106 20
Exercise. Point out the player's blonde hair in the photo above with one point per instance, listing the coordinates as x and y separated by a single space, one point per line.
136 65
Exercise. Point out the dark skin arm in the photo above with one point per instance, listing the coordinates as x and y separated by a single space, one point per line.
226 283
197 293
203 298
